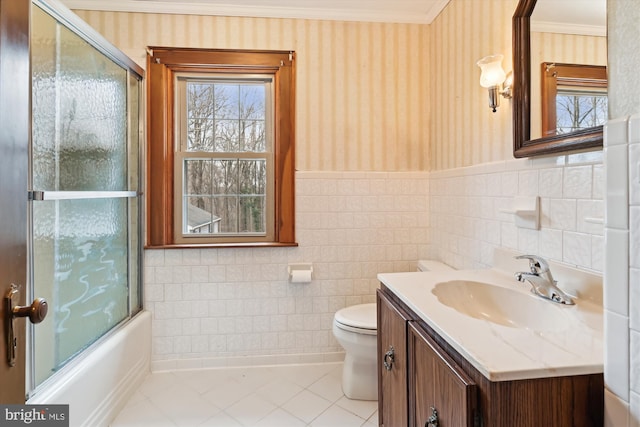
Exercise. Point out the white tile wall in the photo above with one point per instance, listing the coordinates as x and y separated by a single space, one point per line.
215 307
234 306
467 204
622 272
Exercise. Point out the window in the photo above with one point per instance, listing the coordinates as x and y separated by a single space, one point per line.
224 162
220 150
574 97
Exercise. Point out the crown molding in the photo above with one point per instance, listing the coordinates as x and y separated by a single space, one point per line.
568 28
196 8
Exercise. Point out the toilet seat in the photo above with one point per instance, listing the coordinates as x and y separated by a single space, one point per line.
361 319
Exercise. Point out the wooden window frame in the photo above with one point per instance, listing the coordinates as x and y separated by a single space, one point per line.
575 75
162 64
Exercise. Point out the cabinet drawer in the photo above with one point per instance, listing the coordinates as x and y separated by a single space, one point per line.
437 384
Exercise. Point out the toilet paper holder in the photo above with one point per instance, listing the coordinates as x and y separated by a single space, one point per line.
300 273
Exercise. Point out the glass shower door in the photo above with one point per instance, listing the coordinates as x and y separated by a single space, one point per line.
84 197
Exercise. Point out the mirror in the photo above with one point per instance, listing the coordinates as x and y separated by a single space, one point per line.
533 30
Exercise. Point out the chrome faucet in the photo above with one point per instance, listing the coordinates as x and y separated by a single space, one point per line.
541 280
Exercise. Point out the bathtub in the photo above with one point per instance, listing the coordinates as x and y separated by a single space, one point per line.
100 383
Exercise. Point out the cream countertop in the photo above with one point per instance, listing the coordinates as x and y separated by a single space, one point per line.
499 352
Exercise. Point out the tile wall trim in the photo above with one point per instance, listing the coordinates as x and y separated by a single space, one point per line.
594 157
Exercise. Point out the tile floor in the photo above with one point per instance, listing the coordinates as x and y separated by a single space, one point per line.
278 396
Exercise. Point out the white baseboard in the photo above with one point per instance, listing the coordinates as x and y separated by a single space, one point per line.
239 361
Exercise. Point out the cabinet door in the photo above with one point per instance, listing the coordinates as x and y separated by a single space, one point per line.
435 381
392 362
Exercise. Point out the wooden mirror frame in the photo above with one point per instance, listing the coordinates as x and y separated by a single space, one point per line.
523 146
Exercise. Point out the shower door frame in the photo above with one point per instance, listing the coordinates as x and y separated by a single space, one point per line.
73 23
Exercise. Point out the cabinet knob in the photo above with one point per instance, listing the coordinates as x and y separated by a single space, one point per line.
389 358
433 419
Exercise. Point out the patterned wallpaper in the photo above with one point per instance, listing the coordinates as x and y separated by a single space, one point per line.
371 96
362 88
463 130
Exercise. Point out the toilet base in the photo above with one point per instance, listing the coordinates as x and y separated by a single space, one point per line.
360 378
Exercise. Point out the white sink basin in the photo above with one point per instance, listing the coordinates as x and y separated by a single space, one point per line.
502 306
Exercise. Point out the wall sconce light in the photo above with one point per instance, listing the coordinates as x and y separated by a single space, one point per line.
494 79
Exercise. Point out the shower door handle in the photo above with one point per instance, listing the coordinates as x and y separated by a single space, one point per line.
36 312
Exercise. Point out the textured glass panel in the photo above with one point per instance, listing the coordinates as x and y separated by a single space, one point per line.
134 132
80 250
135 256
44 100
82 146
85 253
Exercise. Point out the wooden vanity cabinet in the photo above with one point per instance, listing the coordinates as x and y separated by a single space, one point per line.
437 386
427 372
392 361
417 380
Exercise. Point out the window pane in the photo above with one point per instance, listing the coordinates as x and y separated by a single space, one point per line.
197 176
225 196
253 136
253 101
251 216
252 118
227 136
199 216
200 115
200 100
226 117
227 97
580 111
225 177
227 209
200 134
253 177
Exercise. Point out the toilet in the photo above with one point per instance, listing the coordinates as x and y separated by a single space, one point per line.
355 328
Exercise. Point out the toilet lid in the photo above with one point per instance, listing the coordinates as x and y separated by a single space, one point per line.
361 316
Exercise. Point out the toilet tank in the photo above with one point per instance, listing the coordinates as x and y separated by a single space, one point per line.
432 265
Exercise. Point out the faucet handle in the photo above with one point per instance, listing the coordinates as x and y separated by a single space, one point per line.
537 264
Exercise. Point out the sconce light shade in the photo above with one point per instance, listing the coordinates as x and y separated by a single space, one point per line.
492 72
492 78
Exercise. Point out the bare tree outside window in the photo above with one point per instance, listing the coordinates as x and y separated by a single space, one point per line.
577 111
227 192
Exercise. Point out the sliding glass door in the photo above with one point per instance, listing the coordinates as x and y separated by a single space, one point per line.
84 188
